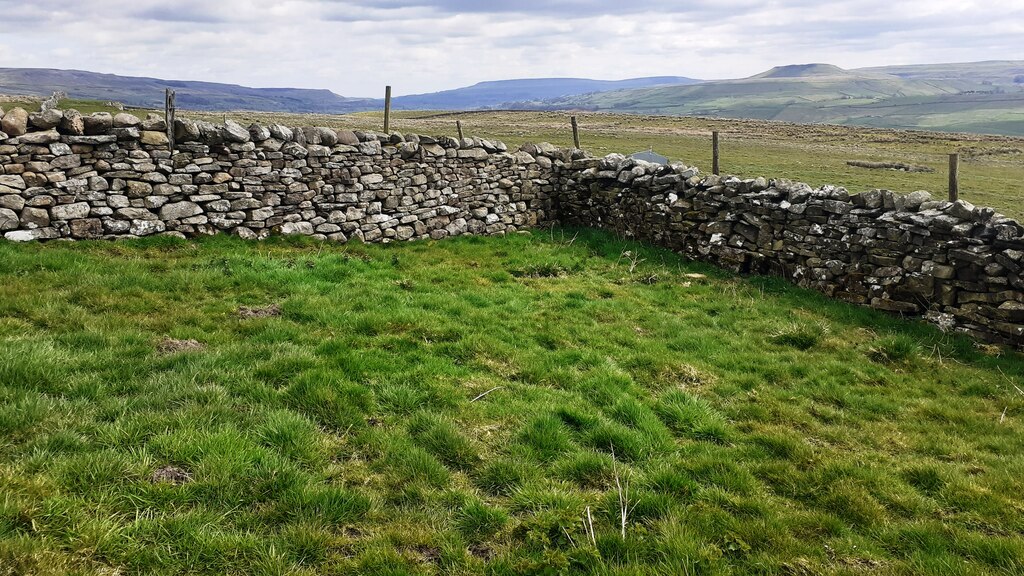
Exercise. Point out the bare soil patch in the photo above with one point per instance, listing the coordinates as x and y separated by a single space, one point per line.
260 311
170 475
173 346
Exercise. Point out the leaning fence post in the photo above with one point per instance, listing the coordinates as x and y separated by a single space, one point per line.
387 110
575 132
714 153
954 177
169 117
458 126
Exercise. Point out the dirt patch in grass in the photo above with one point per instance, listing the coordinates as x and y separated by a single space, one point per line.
170 475
247 312
482 551
426 553
174 346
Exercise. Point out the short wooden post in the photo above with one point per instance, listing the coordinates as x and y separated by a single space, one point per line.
714 153
575 132
169 110
387 110
954 177
458 126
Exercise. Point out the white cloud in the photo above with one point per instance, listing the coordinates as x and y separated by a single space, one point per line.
355 48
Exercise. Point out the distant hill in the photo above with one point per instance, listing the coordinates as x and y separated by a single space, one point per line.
982 97
149 92
510 93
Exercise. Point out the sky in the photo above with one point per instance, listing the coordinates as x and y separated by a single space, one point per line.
356 48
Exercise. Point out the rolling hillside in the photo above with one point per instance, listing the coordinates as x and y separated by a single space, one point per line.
933 97
210 96
998 73
526 92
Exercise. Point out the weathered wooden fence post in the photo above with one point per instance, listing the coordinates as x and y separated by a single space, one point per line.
575 132
169 110
954 177
714 153
458 126
387 110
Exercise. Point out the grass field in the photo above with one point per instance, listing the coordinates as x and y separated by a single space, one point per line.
460 407
991 171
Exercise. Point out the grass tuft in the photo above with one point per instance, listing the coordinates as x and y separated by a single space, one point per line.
478 521
441 438
894 349
801 336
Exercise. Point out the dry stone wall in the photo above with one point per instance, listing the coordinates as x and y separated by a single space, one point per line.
64 175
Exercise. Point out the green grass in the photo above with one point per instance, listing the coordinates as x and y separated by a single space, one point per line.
83 106
759 428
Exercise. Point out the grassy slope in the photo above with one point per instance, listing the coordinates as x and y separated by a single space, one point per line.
995 72
760 428
83 106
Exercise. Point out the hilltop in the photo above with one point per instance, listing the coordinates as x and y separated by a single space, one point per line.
802 71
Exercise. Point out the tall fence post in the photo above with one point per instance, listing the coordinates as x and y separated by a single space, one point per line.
714 153
575 133
169 111
458 126
954 177
387 110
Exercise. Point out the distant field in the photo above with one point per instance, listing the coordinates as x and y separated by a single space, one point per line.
992 169
473 406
